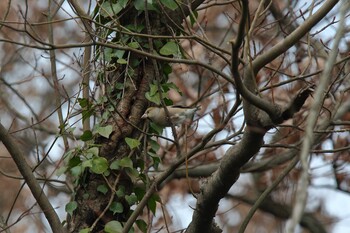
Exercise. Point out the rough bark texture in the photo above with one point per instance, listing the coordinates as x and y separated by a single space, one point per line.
129 109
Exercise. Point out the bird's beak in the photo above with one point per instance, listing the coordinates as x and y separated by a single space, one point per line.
144 116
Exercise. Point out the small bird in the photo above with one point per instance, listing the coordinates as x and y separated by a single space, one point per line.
177 115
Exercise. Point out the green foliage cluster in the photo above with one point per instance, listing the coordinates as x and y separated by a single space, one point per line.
80 159
87 158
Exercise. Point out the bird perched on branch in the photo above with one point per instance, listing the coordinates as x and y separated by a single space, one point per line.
177 115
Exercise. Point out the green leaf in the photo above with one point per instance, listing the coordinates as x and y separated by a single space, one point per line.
115 165
155 98
142 225
135 28
170 86
140 5
167 69
134 45
113 227
76 171
119 86
85 230
107 173
61 170
102 188
93 150
108 54
83 102
122 61
99 165
152 203
193 17
156 161
110 9
158 44
119 53
87 113
132 143
154 145
70 207
139 192
170 48
116 207
131 199
87 163
132 173
104 131
86 136
153 95
153 89
123 3
125 162
120 191
74 161
171 4
156 128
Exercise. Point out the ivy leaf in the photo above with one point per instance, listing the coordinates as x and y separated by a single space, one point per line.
102 188
156 128
140 5
119 53
61 170
132 173
156 160
155 99
139 192
93 151
113 227
84 103
116 207
70 207
152 203
132 199
170 86
170 48
171 4
167 69
122 61
125 162
87 163
154 145
77 171
123 3
153 95
142 225
121 191
132 143
134 45
109 53
115 165
86 136
74 161
86 107
104 131
193 17
85 230
110 9
99 165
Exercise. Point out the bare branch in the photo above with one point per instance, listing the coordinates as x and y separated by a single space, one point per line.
33 185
